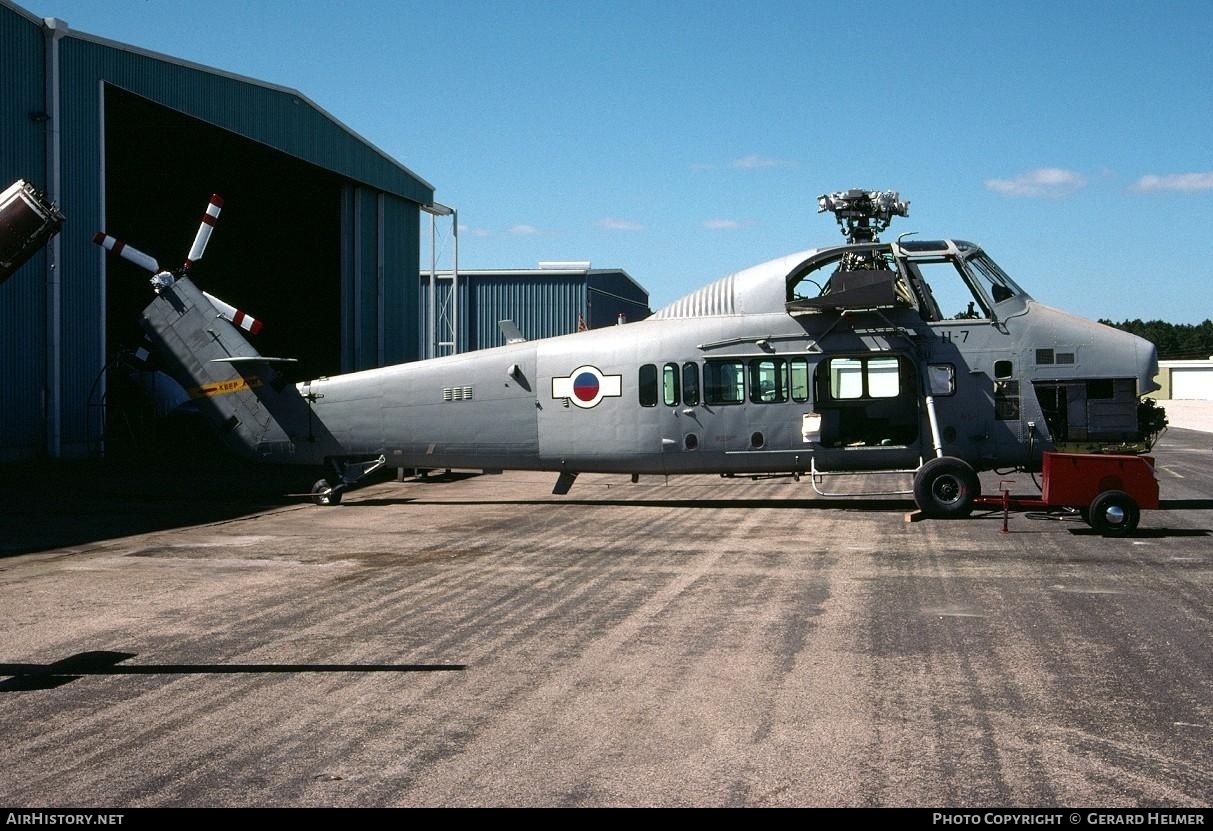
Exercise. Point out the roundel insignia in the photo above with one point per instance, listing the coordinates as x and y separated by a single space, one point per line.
586 386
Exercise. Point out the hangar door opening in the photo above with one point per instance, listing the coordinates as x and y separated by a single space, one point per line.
275 252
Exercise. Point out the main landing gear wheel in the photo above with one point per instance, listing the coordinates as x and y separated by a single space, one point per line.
945 488
323 494
1114 514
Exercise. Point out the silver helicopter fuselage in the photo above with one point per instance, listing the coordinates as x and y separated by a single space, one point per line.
750 374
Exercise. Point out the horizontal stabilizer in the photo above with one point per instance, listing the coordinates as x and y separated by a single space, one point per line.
254 359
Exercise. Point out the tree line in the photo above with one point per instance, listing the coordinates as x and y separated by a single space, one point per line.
1174 341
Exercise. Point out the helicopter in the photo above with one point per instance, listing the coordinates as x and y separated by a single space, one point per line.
918 359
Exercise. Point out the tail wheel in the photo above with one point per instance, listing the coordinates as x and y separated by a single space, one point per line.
324 494
1114 514
945 488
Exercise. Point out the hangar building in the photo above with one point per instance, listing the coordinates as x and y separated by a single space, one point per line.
320 228
544 302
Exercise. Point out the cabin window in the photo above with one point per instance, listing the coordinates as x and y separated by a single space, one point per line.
648 385
690 383
669 385
798 369
852 378
724 382
942 379
768 381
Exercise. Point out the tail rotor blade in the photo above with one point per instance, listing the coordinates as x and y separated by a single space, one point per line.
236 317
126 252
209 218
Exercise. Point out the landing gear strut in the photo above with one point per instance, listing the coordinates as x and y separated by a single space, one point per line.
348 472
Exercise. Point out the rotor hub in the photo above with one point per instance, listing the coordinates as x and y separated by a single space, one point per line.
863 214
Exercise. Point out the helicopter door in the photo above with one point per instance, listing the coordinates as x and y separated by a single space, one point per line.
778 400
869 408
724 412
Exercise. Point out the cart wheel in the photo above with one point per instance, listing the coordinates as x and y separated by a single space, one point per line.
322 494
945 488
1114 513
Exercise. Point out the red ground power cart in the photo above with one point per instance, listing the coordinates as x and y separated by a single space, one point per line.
1107 489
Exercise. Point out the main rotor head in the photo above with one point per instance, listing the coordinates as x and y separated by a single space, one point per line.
863 214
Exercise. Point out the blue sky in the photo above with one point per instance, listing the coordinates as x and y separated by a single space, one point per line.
685 140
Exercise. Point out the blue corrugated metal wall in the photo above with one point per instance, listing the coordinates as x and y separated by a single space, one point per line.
541 308
401 242
23 295
273 117
380 250
543 305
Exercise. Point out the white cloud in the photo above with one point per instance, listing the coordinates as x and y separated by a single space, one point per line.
721 224
1043 181
614 224
524 230
754 161
1186 182
475 232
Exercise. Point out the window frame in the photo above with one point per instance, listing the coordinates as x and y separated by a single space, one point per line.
671 385
710 367
826 377
648 385
779 372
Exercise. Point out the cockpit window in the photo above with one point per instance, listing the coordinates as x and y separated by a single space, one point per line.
940 280
950 292
993 279
962 289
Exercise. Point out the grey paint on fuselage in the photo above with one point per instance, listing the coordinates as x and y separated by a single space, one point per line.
502 408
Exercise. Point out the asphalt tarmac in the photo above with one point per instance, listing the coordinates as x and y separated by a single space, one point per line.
474 640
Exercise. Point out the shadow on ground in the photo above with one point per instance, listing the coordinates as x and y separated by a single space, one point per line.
50 505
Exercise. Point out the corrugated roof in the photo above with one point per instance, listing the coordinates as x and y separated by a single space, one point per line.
536 272
253 82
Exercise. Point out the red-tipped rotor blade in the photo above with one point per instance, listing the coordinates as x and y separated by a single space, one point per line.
209 218
236 317
126 252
